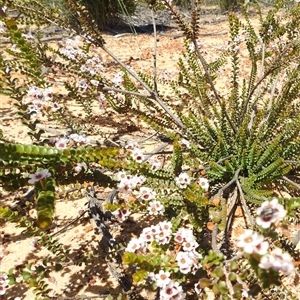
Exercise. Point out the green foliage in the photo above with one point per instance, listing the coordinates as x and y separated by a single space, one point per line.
106 13
243 138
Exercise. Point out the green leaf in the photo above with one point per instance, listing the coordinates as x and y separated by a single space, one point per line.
26 275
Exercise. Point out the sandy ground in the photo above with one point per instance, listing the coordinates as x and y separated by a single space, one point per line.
86 273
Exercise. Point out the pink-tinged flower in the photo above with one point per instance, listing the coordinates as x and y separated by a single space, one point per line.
155 163
134 245
278 261
33 110
146 193
270 212
83 85
184 262
162 238
147 235
121 214
155 207
162 278
252 242
2 27
137 155
35 93
126 185
139 180
2 290
48 94
39 175
122 175
189 244
55 106
3 283
34 243
38 104
183 234
79 167
95 82
118 79
163 232
62 143
132 146
172 291
166 226
183 180
185 144
204 183
79 138
3 279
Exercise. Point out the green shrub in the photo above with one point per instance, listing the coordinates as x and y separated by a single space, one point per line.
106 12
233 146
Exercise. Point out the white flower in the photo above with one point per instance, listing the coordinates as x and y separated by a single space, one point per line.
163 231
184 262
38 176
55 106
190 244
270 212
126 185
185 144
83 84
95 82
2 27
131 146
134 245
183 180
183 234
78 138
137 155
79 167
252 242
3 279
2 290
121 175
146 193
35 93
162 278
147 235
139 180
155 208
278 261
118 79
155 163
172 291
121 214
204 183
48 94
102 100
61 143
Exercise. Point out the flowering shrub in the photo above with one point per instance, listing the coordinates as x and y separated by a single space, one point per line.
228 149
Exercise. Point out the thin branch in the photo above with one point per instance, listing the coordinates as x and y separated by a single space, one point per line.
296 185
69 224
155 52
215 230
208 76
230 216
153 96
214 239
244 204
108 88
155 151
